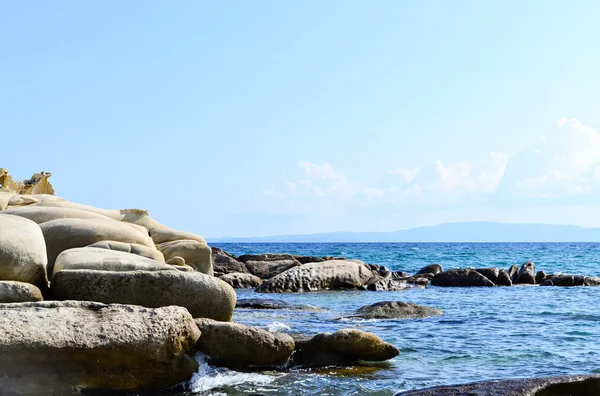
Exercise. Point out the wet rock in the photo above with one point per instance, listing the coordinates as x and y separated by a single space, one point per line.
428 276
16 292
395 310
226 263
460 278
266 266
513 272
308 259
378 283
430 269
579 385
263 303
343 348
591 281
490 273
241 281
568 280
57 348
526 274
540 276
328 275
503 278
237 346
399 274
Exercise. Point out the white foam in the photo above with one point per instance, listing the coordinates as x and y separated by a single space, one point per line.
278 326
208 377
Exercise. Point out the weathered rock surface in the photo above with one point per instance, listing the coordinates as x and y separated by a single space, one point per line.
308 259
540 276
236 346
266 266
15 292
503 278
395 310
513 272
241 281
460 278
57 348
226 263
133 248
163 234
490 273
42 214
328 275
64 234
93 258
378 283
196 254
204 296
430 269
22 251
526 274
579 385
37 184
264 303
344 347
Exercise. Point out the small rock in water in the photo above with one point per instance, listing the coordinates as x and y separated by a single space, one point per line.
430 269
263 303
396 310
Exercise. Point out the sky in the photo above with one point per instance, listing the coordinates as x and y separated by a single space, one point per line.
256 118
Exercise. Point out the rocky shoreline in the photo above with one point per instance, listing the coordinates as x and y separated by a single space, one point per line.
94 299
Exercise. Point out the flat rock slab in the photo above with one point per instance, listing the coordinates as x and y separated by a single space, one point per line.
395 310
582 385
58 348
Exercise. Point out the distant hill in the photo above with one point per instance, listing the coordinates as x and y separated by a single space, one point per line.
451 232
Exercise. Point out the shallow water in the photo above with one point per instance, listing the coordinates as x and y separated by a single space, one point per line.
484 333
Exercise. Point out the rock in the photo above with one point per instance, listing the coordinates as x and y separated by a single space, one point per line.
42 214
196 254
430 269
64 234
540 276
547 282
591 281
263 303
526 274
132 248
162 235
241 281
568 280
579 385
106 260
328 275
428 275
460 278
513 272
37 184
177 261
204 296
15 292
308 259
378 283
226 263
266 266
395 310
57 348
237 346
342 348
490 273
503 278
22 251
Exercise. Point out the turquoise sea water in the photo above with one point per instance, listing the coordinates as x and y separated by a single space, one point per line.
484 333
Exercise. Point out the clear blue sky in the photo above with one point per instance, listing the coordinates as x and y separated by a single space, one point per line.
253 118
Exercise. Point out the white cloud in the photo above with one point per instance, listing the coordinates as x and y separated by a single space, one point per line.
405 174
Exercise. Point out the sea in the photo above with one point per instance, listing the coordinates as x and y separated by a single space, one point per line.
483 333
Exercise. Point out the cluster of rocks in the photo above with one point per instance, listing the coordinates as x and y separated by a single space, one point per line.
114 300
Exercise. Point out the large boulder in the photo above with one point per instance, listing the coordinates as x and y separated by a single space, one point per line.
460 278
42 214
238 346
577 385
308 259
241 281
328 275
342 348
59 348
162 235
196 254
204 296
226 263
526 274
22 251
133 248
93 258
395 310
266 266
64 234
15 292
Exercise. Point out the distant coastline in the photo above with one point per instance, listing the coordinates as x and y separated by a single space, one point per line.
449 232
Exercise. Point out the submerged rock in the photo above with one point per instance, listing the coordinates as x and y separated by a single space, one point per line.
241 281
578 385
237 346
328 275
58 348
342 348
460 278
395 310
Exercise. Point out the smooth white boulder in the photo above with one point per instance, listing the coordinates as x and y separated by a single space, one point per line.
197 255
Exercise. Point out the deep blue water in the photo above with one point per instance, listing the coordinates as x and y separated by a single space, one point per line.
484 333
